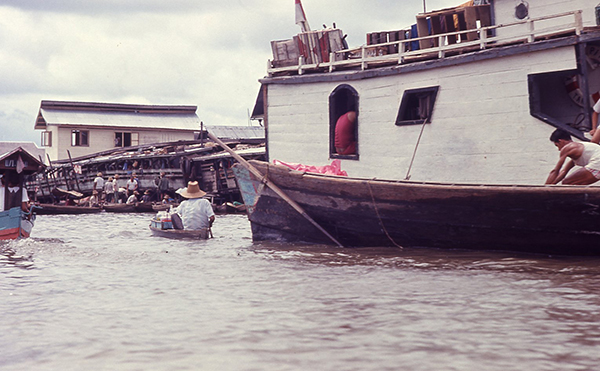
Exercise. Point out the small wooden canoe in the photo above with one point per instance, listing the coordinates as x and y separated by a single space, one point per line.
120 208
201 234
163 207
50 209
144 207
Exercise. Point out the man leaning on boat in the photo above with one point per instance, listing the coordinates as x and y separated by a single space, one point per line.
195 212
585 154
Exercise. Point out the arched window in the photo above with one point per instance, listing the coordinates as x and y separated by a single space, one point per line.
343 122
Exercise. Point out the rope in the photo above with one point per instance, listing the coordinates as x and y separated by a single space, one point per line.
415 151
379 217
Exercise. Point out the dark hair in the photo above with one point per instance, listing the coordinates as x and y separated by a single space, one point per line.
11 178
559 134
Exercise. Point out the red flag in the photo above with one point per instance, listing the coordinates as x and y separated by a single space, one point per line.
301 17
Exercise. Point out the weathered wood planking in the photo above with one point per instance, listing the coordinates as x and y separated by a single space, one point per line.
541 219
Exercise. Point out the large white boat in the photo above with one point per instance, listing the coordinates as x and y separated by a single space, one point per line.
464 97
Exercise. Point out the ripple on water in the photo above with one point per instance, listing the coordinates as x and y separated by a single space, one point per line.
100 292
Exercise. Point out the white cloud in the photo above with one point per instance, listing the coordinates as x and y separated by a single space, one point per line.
205 53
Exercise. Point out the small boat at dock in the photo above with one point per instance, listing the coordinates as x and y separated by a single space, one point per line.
163 207
50 209
120 208
144 207
15 224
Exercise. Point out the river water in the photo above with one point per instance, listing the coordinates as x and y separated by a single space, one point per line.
99 292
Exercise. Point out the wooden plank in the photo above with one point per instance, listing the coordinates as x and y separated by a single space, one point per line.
423 30
470 19
450 27
436 27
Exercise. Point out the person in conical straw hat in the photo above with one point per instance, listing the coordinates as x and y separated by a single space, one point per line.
195 212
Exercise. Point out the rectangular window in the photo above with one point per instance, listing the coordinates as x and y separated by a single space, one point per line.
126 139
46 139
417 106
79 138
118 139
135 139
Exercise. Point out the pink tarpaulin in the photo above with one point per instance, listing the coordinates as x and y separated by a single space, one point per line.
334 169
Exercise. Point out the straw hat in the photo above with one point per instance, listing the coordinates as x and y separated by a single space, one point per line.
192 191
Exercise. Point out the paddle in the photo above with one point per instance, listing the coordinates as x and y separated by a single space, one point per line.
273 187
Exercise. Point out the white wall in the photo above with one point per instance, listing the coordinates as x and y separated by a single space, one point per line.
481 130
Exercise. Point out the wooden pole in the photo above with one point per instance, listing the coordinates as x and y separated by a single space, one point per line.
46 178
271 185
53 172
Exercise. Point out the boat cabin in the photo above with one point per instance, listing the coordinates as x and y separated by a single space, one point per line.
14 165
468 94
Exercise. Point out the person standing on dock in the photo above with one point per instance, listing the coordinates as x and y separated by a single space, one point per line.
195 211
109 190
162 183
586 155
99 186
132 185
116 194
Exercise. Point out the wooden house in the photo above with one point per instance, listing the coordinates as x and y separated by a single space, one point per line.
467 95
81 128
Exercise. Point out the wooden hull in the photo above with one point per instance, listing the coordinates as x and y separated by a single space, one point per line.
561 220
144 207
49 209
180 234
120 208
13 226
163 207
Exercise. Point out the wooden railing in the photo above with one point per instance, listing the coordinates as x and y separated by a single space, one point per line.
503 34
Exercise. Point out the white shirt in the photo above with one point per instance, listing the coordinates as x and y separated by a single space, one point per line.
25 197
99 183
132 199
596 107
131 184
590 158
195 213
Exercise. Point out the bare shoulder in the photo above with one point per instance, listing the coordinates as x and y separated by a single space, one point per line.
573 149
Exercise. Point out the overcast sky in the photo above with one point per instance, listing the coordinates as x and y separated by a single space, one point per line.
207 53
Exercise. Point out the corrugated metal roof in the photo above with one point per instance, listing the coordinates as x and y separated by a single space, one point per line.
237 132
179 121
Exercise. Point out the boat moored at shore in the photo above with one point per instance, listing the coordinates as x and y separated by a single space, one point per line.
359 212
455 110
